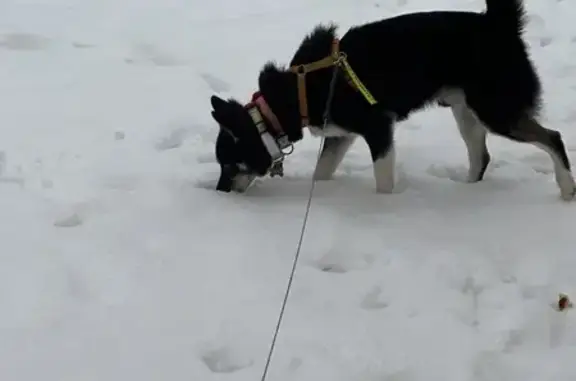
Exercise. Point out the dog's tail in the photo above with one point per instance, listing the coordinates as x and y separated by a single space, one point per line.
506 15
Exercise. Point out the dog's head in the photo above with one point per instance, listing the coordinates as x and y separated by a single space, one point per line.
244 147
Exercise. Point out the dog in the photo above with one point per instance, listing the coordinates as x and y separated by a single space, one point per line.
379 73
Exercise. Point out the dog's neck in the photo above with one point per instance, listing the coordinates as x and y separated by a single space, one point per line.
279 89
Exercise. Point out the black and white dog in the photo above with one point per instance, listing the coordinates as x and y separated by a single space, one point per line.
475 63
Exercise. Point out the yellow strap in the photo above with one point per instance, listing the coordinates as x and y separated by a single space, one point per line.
359 85
313 66
336 58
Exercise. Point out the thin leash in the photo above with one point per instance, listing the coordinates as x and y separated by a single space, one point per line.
303 230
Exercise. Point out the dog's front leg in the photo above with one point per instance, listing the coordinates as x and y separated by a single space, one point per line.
332 154
474 135
380 140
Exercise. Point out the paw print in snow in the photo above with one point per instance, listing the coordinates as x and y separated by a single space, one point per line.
225 360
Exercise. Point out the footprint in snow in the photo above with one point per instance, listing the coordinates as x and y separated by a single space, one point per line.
539 162
333 268
489 366
295 364
545 41
178 131
443 172
378 375
8 179
536 21
23 41
82 45
208 183
174 139
460 174
206 158
69 221
225 360
119 135
148 54
373 300
340 263
121 182
513 339
216 84
13 180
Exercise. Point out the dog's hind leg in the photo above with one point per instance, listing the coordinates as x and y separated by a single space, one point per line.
529 130
474 135
525 129
331 156
508 109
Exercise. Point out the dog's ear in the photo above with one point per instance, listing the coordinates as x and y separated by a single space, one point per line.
218 118
219 105
221 108
221 113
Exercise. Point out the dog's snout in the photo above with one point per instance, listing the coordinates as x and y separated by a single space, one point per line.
226 180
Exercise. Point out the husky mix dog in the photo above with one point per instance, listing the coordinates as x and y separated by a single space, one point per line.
475 63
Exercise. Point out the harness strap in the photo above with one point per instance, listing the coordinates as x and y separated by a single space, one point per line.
336 58
302 70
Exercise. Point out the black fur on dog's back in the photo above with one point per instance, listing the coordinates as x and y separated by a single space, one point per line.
506 15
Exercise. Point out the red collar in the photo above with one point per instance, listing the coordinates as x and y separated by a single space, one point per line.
258 100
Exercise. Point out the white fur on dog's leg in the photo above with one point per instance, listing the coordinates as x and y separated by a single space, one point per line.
332 154
567 186
564 177
474 135
384 171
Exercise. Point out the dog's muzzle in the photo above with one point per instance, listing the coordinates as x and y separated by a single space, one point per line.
234 178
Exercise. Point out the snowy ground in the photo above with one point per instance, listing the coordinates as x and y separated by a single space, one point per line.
120 262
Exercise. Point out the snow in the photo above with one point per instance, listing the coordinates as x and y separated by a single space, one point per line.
120 262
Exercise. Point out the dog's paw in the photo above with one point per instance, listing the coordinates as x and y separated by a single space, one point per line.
568 194
567 186
385 189
322 175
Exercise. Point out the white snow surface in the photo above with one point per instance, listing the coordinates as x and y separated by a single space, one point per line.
119 261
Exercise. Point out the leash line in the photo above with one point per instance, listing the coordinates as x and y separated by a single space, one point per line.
302 231
292 273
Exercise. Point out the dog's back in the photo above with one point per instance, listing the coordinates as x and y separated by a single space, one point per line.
408 59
